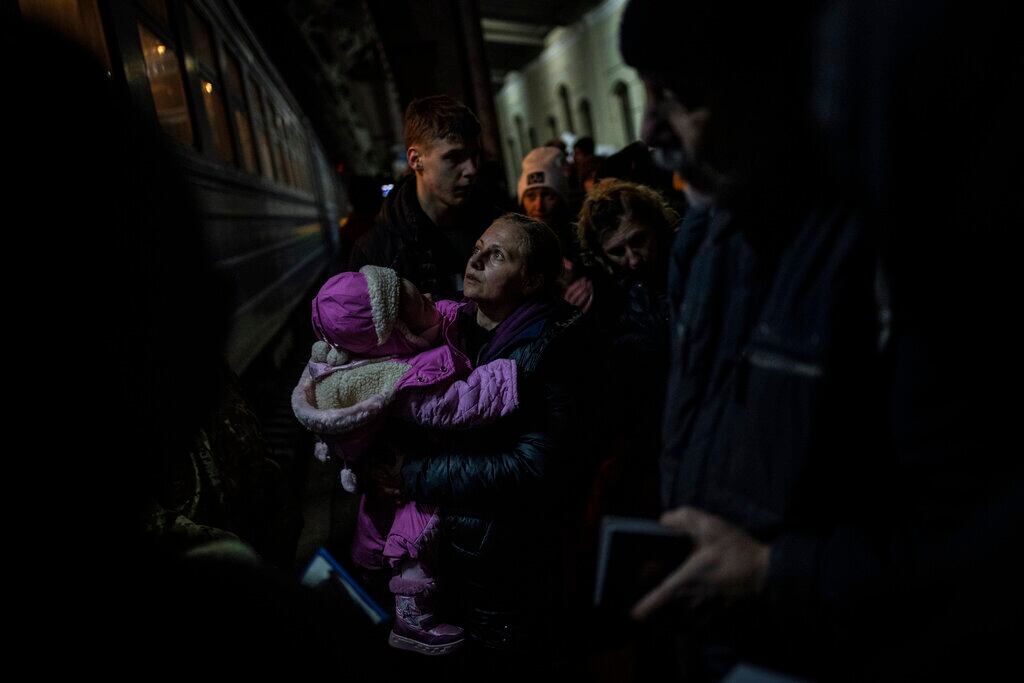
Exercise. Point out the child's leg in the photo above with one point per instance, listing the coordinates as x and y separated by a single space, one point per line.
374 520
410 549
413 534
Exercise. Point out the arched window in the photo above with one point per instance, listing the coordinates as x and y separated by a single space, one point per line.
621 91
533 138
514 160
563 94
521 133
204 48
553 127
588 118
514 155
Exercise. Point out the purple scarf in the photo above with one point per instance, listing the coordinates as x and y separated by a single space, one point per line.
519 325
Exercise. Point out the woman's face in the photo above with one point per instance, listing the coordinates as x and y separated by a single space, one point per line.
632 247
541 203
496 272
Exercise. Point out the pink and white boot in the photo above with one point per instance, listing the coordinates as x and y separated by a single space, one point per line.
416 627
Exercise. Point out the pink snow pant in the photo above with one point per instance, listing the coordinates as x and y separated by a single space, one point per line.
402 539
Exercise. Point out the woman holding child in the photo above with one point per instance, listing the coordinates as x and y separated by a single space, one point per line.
492 491
504 487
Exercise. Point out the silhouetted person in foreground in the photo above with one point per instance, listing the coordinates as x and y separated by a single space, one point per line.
830 442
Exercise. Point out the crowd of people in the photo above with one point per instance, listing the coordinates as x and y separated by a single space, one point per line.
789 363
754 360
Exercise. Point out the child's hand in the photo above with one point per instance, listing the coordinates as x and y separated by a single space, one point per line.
320 351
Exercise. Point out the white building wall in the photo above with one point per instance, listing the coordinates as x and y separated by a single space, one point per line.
585 58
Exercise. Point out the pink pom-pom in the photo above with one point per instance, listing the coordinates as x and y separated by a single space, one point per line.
321 452
348 480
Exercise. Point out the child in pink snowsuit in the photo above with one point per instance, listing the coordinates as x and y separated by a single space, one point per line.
386 349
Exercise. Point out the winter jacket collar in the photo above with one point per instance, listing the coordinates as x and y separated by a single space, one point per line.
538 319
402 211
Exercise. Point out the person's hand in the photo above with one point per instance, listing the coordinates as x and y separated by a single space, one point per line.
725 567
580 293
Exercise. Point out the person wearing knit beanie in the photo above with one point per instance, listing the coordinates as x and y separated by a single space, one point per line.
543 186
544 196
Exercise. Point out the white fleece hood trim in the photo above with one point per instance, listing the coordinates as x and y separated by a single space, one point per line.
382 288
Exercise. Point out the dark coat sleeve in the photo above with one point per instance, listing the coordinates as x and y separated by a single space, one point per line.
542 449
935 561
503 464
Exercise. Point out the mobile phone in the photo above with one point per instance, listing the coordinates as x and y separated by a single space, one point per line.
635 555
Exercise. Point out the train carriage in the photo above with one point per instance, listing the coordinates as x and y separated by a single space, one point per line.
266 193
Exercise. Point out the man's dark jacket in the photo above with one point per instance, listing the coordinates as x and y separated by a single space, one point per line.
774 408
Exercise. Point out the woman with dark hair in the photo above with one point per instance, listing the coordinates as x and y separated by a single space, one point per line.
626 229
502 487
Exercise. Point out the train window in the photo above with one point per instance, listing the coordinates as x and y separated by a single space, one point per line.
212 93
300 172
232 75
307 165
213 102
293 150
76 20
310 180
286 159
289 153
202 42
166 87
305 180
274 128
260 123
233 79
302 177
286 153
245 138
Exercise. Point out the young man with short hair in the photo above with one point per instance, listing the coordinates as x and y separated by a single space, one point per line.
431 218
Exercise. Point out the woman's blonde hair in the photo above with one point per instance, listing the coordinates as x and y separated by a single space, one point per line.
542 251
611 200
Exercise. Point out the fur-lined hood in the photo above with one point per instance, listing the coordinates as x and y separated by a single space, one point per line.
358 312
355 315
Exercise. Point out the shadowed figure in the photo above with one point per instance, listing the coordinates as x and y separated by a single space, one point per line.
119 327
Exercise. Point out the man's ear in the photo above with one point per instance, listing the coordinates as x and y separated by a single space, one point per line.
415 159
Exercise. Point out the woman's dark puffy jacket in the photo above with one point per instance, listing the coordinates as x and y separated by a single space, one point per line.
505 492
